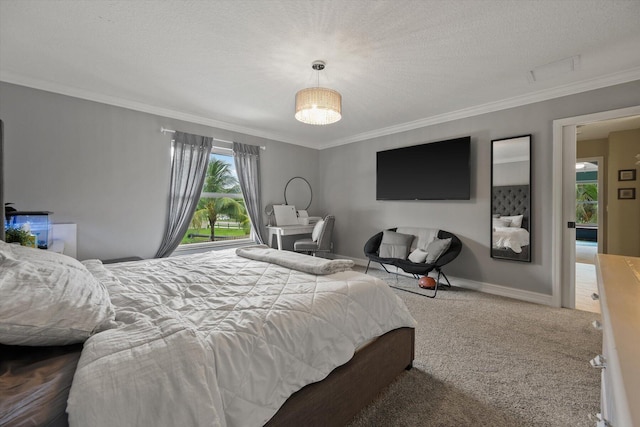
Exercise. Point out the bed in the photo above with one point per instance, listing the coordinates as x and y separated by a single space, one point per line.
513 238
209 339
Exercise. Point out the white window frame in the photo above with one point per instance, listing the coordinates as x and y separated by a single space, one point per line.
205 246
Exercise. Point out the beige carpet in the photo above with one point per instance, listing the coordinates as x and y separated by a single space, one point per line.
483 360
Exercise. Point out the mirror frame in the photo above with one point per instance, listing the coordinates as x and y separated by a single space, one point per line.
522 197
310 193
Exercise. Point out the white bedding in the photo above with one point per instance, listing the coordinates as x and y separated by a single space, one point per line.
510 237
216 339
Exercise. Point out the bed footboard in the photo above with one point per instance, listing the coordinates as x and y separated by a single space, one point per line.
335 400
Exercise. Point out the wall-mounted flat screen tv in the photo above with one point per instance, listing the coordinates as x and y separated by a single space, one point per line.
431 171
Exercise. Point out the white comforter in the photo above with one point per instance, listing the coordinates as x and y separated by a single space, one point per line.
215 339
510 237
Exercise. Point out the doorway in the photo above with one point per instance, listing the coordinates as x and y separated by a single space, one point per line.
564 200
589 230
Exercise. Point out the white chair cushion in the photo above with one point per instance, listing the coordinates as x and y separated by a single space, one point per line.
418 256
424 236
317 230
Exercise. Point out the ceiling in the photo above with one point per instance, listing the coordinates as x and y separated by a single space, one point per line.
399 65
602 129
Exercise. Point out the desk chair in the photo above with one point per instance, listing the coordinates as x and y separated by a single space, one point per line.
320 240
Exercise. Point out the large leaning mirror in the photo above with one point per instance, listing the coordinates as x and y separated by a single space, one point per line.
298 193
511 198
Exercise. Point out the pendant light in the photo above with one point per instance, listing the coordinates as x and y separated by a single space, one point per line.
318 105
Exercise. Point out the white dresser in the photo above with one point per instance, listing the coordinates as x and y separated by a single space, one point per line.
619 291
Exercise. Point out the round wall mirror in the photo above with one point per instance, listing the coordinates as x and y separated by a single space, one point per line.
298 193
268 210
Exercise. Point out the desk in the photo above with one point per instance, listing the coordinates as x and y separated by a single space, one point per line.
287 230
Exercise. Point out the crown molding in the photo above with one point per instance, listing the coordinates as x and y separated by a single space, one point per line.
518 101
48 86
543 95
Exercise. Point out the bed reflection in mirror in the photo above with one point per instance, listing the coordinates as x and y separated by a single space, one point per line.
511 198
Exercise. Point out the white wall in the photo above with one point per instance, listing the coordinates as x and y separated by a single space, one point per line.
107 168
359 215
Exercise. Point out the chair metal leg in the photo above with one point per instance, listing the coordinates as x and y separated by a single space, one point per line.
448 284
435 290
385 268
417 276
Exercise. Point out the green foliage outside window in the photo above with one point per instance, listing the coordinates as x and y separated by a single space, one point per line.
225 217
586 203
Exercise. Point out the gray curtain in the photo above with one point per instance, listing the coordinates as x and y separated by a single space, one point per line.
189 161
247 159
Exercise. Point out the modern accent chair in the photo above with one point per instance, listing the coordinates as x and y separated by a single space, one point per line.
320 240
416 269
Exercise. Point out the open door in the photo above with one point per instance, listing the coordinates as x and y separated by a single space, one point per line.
564 201
569 215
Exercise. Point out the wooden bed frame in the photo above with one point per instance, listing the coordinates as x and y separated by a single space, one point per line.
349 388
333 401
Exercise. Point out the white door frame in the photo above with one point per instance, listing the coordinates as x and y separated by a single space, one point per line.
563 247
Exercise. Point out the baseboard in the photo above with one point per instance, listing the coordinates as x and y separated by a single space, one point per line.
504 291
489 288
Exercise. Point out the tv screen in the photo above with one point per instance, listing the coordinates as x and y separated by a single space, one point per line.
432 171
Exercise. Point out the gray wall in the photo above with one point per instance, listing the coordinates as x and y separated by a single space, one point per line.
511 173
623 216
348 191
107 168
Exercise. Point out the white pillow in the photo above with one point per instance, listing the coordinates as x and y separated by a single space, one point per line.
500 222
516 220
48 298
315 234
418 256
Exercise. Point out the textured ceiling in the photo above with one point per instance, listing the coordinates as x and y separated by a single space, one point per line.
398 64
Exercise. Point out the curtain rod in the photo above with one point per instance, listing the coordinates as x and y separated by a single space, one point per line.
164 130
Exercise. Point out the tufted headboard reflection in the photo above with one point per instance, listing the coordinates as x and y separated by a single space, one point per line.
511 200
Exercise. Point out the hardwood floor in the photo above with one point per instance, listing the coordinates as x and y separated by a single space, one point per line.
586 278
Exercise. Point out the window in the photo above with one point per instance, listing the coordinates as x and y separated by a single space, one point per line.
221 214
587 193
